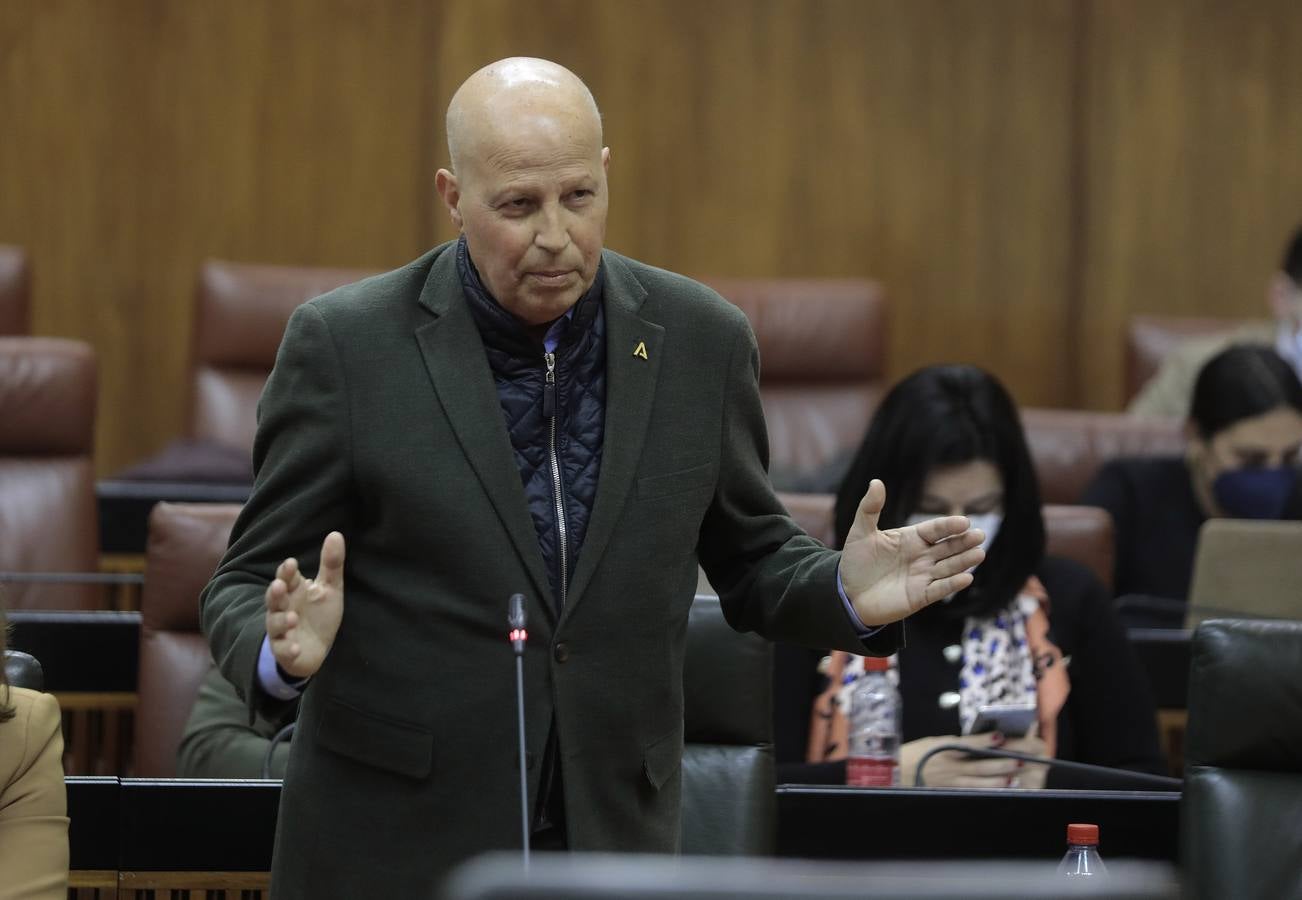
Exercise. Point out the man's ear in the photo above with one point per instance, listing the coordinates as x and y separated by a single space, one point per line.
605 159
450 192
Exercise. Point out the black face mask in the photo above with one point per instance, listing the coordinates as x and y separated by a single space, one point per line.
1255 493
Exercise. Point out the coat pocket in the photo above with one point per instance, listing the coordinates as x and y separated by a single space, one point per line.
376 740
662 758
675 482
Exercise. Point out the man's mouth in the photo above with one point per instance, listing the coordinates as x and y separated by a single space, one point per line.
552 276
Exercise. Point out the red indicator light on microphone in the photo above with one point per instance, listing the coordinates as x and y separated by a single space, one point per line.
519 634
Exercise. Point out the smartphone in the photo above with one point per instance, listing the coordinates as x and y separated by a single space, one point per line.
1011 720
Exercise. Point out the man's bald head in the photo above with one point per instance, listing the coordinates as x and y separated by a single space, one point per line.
527 189
492 102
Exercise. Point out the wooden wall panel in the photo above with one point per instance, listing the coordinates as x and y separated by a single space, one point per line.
1193 165
1022 175
141 137
925 144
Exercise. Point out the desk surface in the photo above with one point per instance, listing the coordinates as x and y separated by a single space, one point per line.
188 825
80 651
829 822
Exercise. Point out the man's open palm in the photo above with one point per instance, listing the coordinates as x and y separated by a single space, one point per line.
891 574
303 614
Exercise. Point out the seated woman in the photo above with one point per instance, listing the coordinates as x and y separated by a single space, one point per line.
33 799
1031 630
1245 439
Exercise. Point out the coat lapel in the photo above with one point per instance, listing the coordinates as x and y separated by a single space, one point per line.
458 367
632 369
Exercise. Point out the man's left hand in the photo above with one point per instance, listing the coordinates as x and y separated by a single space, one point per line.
894 573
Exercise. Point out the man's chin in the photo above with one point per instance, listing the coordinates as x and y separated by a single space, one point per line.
541 309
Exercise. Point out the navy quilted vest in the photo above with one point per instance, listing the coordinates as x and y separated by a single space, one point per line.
519 372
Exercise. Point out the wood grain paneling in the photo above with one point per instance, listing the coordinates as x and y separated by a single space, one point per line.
1193 165
1022 175
925 144
141 137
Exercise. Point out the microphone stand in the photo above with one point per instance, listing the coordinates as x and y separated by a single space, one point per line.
518 635
283 734
1160 782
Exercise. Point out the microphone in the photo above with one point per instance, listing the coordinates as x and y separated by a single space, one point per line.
1158 782
515 618
283 734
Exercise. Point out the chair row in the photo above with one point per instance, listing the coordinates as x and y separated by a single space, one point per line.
47 487
822 343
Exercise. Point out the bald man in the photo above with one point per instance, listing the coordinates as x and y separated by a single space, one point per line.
518 410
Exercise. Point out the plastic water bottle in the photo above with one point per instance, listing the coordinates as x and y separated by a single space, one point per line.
874 758
1082 858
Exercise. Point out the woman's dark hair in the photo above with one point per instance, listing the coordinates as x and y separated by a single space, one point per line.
1244 381
944 416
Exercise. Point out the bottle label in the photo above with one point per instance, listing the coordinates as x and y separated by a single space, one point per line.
867 772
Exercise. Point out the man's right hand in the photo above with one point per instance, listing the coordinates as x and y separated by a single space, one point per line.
303 614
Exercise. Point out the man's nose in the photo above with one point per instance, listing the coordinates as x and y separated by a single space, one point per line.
552 234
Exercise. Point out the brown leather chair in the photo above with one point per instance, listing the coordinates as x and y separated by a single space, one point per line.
47 486
15 291
1080 533
186 542
815 513
1068 446
822 349
240 315
1083 534
1150 338
241 310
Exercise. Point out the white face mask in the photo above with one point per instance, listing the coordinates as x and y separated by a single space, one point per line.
987 522
1289 345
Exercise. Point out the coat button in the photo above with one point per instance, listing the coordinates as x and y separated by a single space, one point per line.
561 652
948 700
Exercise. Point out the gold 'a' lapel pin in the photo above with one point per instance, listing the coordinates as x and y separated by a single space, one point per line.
640 350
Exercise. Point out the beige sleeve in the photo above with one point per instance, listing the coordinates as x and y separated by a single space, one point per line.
34 802
1169 392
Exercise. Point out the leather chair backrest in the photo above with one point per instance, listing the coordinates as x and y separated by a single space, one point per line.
22 670
186 542
240 316
1082 534
815 513
47 477
1069 446
822 346
1150 338
15 291
1079 533
1241 812
729 807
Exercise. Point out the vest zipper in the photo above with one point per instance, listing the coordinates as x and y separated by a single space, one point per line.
558 497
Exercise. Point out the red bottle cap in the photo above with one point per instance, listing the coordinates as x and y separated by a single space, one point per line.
876 664
1083 834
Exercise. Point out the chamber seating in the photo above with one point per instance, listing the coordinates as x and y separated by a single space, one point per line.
186 542
15 291
47 488
822 346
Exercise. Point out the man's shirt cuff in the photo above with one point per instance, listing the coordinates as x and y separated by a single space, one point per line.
864 631
275 685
